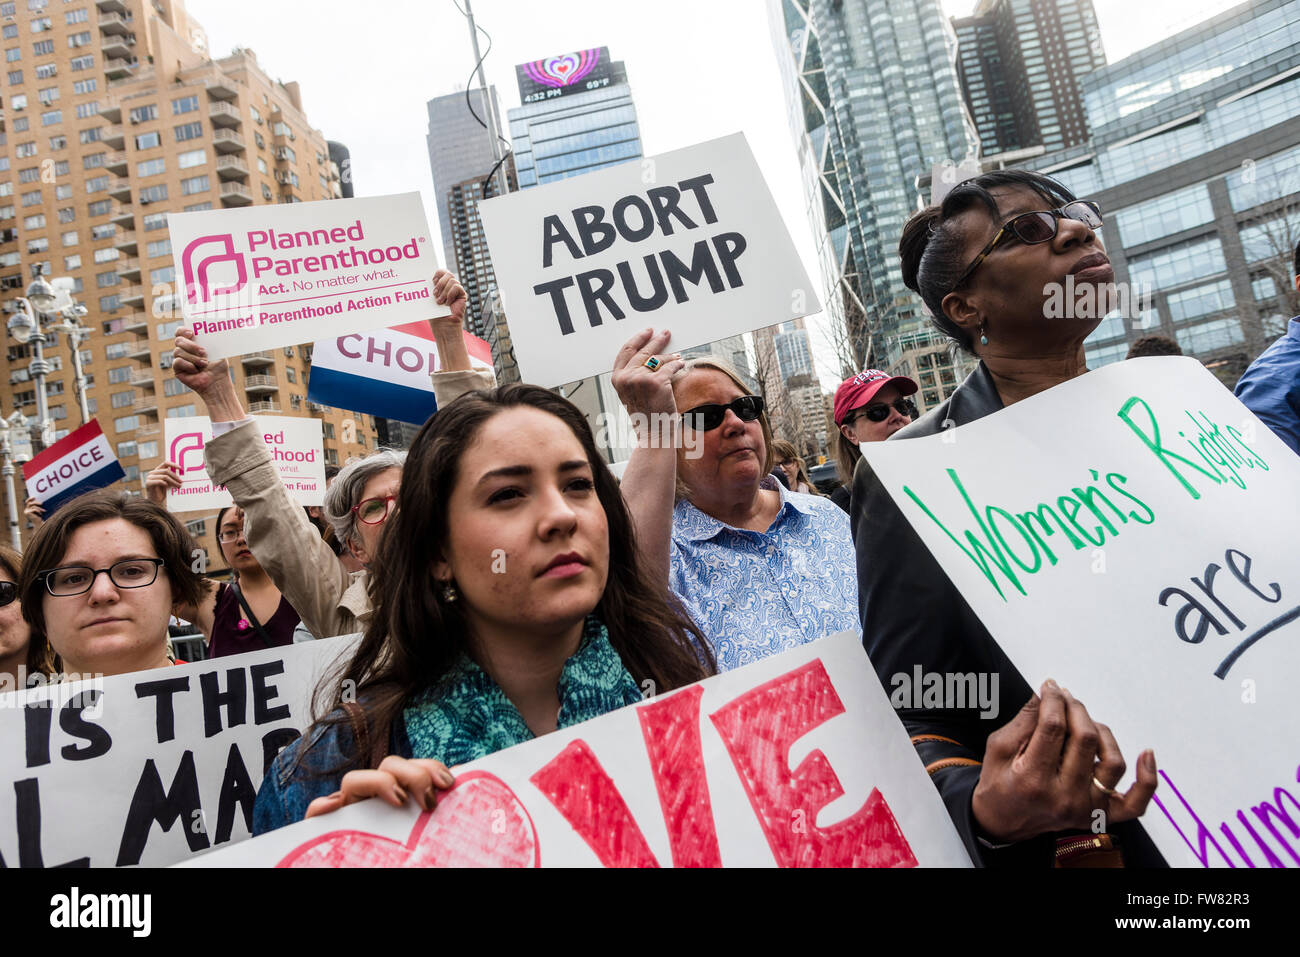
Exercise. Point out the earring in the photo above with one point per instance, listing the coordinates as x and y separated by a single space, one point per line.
984 340
449 593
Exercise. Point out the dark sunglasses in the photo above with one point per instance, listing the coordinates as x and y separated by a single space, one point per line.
880 412
8 592
1037 227
705 418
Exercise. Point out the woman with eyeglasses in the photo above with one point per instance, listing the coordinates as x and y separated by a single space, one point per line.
1024 785
793 468
869 407
760 568
330 599
102 578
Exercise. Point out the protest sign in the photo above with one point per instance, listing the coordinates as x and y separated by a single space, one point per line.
80 461
295 444
1145 558
796 760
384 372
690 241
266 276
149 767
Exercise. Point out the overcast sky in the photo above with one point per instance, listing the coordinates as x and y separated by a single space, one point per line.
698 69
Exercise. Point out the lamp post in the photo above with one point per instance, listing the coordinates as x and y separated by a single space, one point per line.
25 326
15 446
77 334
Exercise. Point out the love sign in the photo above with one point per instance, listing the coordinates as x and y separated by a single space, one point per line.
794 761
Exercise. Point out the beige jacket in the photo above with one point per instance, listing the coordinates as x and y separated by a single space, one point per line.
330 600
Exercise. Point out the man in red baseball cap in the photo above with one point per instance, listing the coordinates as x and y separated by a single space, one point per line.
869 407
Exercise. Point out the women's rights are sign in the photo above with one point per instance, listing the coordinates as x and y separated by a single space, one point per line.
296 448
1144 557
690 240
267 276
795 761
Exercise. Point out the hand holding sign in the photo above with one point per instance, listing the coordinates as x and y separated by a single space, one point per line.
165 475
640 388
211 380
393 781
1045 770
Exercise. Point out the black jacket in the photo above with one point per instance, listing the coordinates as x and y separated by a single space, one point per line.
912 615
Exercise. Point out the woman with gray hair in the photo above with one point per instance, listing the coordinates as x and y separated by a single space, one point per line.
329 599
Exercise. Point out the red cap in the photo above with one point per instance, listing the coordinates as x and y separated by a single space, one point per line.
857 391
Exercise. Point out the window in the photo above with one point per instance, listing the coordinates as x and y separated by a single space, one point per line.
192 158
18 101
106 280
186 104
103 231
58 142
110 304
162 274
146 141
190 131
259 140
198 207
295 402
261 166
291 374
195 184
97 184
45 47
49 94
148 450
10 31
74 40
117 350
61 168
15 77
266 191
151 167
34 222
155 221
81 63
76 16
101 207
159 247
54 116
38 245
31 199
29 175
14 53
23 150
153 194
72 262
122 400
257 117
21 124
70 238
67 214
41 24
119 375
124 449
106 255
142 114
174 387
182 411
63 192
85 86
90 136
86 110
92 161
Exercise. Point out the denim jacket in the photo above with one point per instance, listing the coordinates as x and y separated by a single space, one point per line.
465 717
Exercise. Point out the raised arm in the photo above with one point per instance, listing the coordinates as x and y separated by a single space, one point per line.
650 479
456 374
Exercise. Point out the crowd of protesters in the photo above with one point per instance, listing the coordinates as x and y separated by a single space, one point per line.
711 554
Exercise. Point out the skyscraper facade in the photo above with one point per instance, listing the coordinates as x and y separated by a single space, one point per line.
1021 63
874 100
471 260
1194 160
115 116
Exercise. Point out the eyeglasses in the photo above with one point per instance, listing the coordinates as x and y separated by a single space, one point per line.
8 592
230 535
1037 227
374 511
78 579
706 418
880 411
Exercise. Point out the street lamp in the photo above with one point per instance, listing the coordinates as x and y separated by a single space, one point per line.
15 446
77 334
43 299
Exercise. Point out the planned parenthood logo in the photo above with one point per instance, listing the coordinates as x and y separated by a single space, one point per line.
198 264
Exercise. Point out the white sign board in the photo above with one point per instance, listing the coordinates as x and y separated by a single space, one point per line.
267 276
690 241
150 767
796 760
296 446
1133 535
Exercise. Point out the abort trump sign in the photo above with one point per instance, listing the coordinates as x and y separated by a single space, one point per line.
689 241
268 276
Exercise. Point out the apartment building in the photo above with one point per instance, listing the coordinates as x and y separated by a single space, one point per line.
114 115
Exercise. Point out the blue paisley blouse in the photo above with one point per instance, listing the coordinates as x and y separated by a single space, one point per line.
754 594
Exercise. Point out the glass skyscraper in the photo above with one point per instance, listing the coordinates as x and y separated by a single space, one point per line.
874 102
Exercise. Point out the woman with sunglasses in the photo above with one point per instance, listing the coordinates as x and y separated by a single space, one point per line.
869 407
330 599
102 578
761 569
1023 785
20 657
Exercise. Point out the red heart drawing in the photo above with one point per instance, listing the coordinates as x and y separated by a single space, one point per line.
563 67
478 823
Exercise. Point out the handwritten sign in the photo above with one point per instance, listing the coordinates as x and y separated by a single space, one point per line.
150 767
268 276
691 241
295 444
1145 558
79 462
385 372
796 760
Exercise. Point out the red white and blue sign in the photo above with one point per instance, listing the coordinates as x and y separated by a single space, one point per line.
79 462
385 372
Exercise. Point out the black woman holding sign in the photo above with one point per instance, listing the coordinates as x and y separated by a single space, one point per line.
1028 785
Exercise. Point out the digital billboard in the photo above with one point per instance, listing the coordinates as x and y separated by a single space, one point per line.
576 72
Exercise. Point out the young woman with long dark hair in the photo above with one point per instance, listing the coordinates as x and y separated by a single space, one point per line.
510 600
